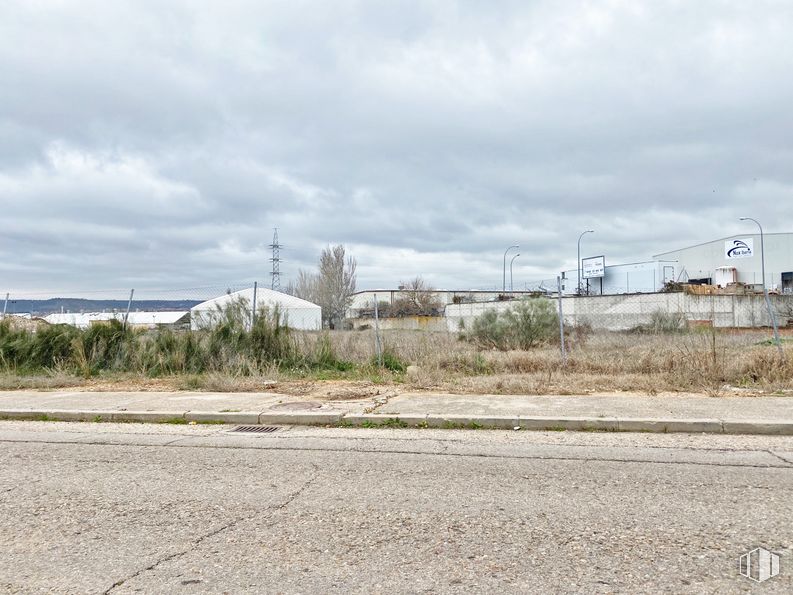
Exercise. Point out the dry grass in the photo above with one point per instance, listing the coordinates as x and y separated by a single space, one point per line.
703 361
46 382
700 361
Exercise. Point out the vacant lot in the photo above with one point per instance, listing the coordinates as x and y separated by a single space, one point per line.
697 360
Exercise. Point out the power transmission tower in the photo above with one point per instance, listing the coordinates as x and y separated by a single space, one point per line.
275 281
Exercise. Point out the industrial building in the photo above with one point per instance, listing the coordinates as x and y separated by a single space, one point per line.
295 313
733 260
736 259
603 279
151 320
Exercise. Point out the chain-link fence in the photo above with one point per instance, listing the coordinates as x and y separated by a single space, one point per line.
620 312
663 311
81 307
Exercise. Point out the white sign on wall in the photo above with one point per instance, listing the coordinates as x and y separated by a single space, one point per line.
594 267
739 248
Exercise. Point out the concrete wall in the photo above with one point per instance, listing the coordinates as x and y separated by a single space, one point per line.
406 323
364 300
623 312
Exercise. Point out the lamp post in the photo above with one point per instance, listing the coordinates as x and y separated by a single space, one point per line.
578 264
510 271
765 289
504 271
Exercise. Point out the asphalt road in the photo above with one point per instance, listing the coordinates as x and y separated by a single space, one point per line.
106 508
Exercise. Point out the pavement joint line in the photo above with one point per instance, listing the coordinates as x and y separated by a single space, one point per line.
413 452
446 441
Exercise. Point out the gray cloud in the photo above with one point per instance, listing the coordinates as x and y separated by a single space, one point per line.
159 144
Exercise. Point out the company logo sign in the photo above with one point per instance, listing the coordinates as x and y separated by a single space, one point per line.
759 565
739 248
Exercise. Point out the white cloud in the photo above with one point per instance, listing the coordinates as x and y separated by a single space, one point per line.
162 142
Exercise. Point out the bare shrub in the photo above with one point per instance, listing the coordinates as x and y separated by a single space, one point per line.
418 298
662 321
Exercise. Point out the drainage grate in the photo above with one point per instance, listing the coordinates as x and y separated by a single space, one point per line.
255 429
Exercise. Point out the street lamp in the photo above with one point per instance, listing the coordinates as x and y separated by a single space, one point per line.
578 265
765 289
510 271
504 271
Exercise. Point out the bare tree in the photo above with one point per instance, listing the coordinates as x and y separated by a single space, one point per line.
306 286
420 299
331 287
336 284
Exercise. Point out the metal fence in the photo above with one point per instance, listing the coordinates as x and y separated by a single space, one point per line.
634 311
43 304
609 312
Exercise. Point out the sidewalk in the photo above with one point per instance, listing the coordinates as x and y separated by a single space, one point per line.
662 413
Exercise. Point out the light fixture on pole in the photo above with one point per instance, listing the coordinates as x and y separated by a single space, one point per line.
510 271
504 270
765 289
578 264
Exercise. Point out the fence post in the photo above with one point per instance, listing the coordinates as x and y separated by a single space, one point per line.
253 307
129 307
378 346
561 322
5 306
772 314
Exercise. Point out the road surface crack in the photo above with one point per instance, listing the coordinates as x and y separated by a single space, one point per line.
198 541
780 457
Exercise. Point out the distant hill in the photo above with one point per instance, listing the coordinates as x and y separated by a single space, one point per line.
77 305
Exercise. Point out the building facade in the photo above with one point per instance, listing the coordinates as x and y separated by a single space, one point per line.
636 277
737 259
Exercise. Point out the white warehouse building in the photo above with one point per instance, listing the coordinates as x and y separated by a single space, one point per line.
737 259
150 320
295 312
635 277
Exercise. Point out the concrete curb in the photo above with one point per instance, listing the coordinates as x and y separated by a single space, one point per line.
227 417
98 415
334 418
301 418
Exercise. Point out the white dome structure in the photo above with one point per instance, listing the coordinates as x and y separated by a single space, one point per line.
295 313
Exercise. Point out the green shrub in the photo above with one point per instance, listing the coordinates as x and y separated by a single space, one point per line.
531 322
232 345
488 330
390 361
324 356
102 345
525 324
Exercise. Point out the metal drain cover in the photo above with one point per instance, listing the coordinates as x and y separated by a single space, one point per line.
255 429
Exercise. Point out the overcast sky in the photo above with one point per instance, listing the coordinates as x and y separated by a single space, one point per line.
157 143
